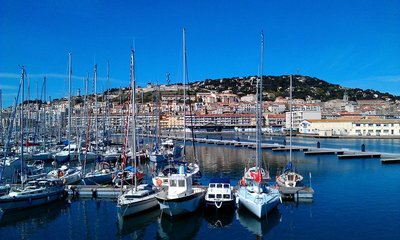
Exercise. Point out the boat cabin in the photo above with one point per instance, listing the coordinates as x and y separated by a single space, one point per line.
179 185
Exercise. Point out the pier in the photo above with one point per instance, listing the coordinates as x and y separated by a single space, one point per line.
282 147
297 193
390 160
93 191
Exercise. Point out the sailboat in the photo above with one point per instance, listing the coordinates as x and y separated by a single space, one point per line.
254 193
33 193
289 177
68 174
180 196
139 197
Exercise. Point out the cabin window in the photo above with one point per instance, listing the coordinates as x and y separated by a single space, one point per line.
181 183
227 196
211 195
219 185
226 185
212 185
172 183
219 195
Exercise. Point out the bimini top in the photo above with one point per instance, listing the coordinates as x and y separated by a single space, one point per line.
220 180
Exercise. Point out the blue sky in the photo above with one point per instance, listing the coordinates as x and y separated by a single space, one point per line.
353 43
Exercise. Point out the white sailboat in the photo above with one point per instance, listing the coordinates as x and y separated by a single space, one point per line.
34 193
66 173
137 198
254 193
179 196
289 177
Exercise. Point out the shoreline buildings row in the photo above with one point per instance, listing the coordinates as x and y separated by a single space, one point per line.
213 111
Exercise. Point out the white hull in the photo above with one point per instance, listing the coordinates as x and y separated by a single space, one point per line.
179 206
260 204
141 205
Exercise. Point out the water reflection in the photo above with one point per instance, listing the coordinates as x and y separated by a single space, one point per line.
135 226
183 227
257 226
219 218
38 216
28 222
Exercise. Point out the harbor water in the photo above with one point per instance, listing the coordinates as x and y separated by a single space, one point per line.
354 199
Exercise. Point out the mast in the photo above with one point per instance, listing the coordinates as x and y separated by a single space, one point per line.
290 118
44 114
133 87
184 90
69 101
21 122
95 105
107 123
259 110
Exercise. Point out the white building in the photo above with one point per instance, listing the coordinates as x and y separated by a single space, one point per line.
351 127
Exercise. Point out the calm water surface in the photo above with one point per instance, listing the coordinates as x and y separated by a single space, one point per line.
354 199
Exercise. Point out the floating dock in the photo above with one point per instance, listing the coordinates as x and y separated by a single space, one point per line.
93 191
286 149
390 160
359 155
297 193
323 152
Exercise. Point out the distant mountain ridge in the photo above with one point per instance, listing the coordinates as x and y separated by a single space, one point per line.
304 87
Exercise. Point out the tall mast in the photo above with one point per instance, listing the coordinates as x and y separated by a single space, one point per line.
290 119
107 123
95 105
259 110
21 122
44 113
133 87
184 89
69 100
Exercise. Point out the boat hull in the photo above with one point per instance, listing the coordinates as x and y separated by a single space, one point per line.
260 204
16 203
97 179
221 205
180 206
141 205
